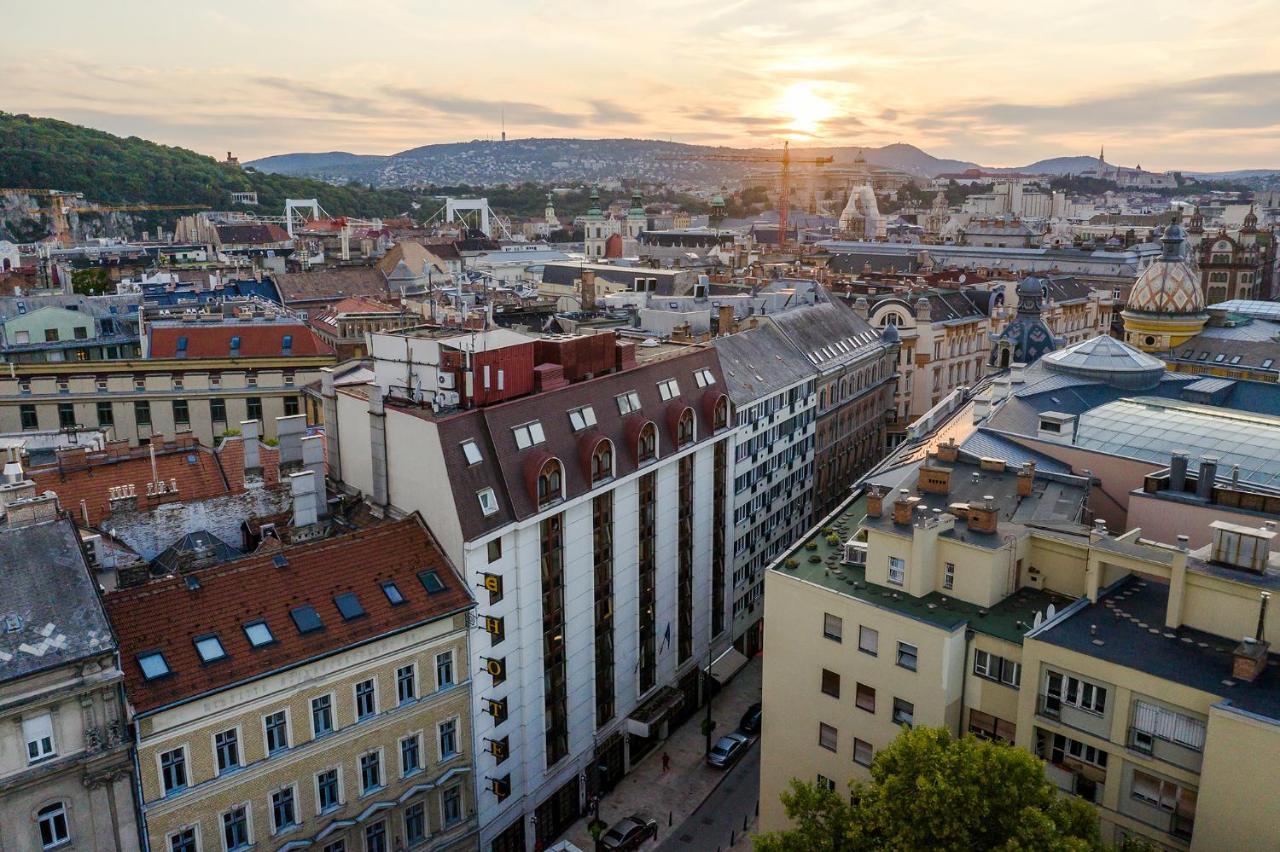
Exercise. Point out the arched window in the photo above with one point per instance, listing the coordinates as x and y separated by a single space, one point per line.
602 462
647 443
721 418
684 430
53 825
550 483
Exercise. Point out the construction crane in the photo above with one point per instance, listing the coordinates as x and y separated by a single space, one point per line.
121 208
785 160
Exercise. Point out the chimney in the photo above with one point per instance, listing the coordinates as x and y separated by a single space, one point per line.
1099 531
933 480
1016 373
1178 472
1208 476
329 404
33 510
303 487
588 296
1249 659
289 432
1026 478
949 452
13 467
378 448
725 322
984 517
875 502
992 465
902 508
252 456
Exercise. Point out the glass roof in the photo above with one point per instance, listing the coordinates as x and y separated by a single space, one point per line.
1250 308
1153 429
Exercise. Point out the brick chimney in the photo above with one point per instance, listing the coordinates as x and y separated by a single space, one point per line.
1026 478
949 452
933 480
984 516
588 289
902 508
875 502
32 510
1249 659
724 322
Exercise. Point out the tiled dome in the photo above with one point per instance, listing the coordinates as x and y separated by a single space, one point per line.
1169 285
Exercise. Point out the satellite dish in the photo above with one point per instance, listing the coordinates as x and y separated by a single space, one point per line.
1050 612
1039 619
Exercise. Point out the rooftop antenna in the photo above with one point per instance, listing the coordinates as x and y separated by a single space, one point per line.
504 124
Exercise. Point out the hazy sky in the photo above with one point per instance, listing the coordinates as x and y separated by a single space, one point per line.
1171 84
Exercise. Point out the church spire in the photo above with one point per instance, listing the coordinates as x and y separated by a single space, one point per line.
1102 154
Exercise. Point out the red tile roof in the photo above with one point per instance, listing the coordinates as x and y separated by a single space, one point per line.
330 285
257 340
166 616
254 234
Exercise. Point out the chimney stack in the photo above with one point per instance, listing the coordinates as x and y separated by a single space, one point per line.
984 517
378 448
588 296
1208 476
902 509
1178 472
252 455
1026 478
289 432
1249 660
875 502
303 487
933 480
949 452
725 324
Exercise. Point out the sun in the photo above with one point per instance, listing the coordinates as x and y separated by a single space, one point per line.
805 107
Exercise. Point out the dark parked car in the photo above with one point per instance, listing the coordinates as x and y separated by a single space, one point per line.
750 723
727 750
629 833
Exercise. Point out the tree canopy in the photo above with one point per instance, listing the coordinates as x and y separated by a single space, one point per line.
929 790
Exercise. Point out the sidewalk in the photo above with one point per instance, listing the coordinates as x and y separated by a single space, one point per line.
673 796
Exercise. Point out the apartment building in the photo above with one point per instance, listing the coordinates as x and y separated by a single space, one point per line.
959 593
587 493
310 696
204 374
42 332
65 776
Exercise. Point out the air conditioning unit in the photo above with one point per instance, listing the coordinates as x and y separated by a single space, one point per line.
445 380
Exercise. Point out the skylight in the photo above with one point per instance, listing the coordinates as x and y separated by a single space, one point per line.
471 451
153 665
431 581
392 591
209 648
305 618
668 388
280 560
258 633
582 418
349 605
704 377
488 501
528 435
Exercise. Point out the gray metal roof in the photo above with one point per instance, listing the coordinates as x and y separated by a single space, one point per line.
760 362
984 444
50 614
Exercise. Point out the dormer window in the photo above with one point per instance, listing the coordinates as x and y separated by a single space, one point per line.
721 416
182 347
704 377
286 344
602 462
668 389
685 428
582 418
647 443
550 483
628 402
528 434
235 345
471 451
488 501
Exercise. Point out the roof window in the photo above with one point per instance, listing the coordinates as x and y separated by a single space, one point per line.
471 450
153 665
209 648
431 581
488 501
393 593
668 388
349 605
704 377
258 633
628 402
528 434
305 618
582 418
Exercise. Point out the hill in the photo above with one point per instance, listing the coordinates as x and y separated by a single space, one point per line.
46 153
1055 166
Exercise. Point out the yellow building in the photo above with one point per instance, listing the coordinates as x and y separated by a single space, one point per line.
959 593
1166 305
315 697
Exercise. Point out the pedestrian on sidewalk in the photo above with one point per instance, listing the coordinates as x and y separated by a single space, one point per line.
666 762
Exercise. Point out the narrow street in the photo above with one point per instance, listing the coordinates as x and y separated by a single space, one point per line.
721 817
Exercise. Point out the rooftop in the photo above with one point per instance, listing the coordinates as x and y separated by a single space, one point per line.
257 338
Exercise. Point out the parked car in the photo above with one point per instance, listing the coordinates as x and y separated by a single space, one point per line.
727 750
629 833
750 723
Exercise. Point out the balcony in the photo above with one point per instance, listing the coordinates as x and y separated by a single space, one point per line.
1052 707
1164 750
1074 780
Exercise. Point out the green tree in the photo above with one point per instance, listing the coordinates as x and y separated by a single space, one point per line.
929 790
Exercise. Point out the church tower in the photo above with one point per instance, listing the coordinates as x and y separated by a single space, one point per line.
633 226
593 229
549 213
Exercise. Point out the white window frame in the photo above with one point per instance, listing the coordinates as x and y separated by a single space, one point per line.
668 389
186 769
297 816
417 691
453 668
528 434
333 715
422 756
488 501
949 575
288 732
213 747
581 418
863 632
36 730
315 788
194 828
441 757
704 377
471 452
628 402
250 840
897 570
355 698
426 821
382 771
66 825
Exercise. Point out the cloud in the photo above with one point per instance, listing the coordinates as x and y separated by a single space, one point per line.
492 110
323 98
608 112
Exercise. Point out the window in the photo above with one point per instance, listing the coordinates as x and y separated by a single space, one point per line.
235 829
825 783
53 825
668 388
106 415
997 668
471 452
173 770
183 841
897 570
50 335
218 410
1153 720
907 656
582 418
29 420
431 581
410 755
862 752
327 795
286 344
488 501
415 823
370 772
704 377
38 733
181 413
830 683
949 575
277 728
253 406
685 428
865 698
142 412
832 627
235 345
226 746
336 846
494 550
444 669
550 482
448 739
451 805
406 688
375 837
66 415
348 605
868 641
305 618
647 443
602 462
904 712
153 665
528 435
988 727
258 633
209 648
366 700
321 715
628 402
827 736
1064 747
283 813
1154 791
1078 693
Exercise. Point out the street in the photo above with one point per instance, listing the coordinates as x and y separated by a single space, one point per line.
720 817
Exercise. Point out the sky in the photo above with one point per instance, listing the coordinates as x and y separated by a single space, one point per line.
1172 84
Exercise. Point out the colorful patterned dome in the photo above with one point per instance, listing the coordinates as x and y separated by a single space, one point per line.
1170 285
1027 337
